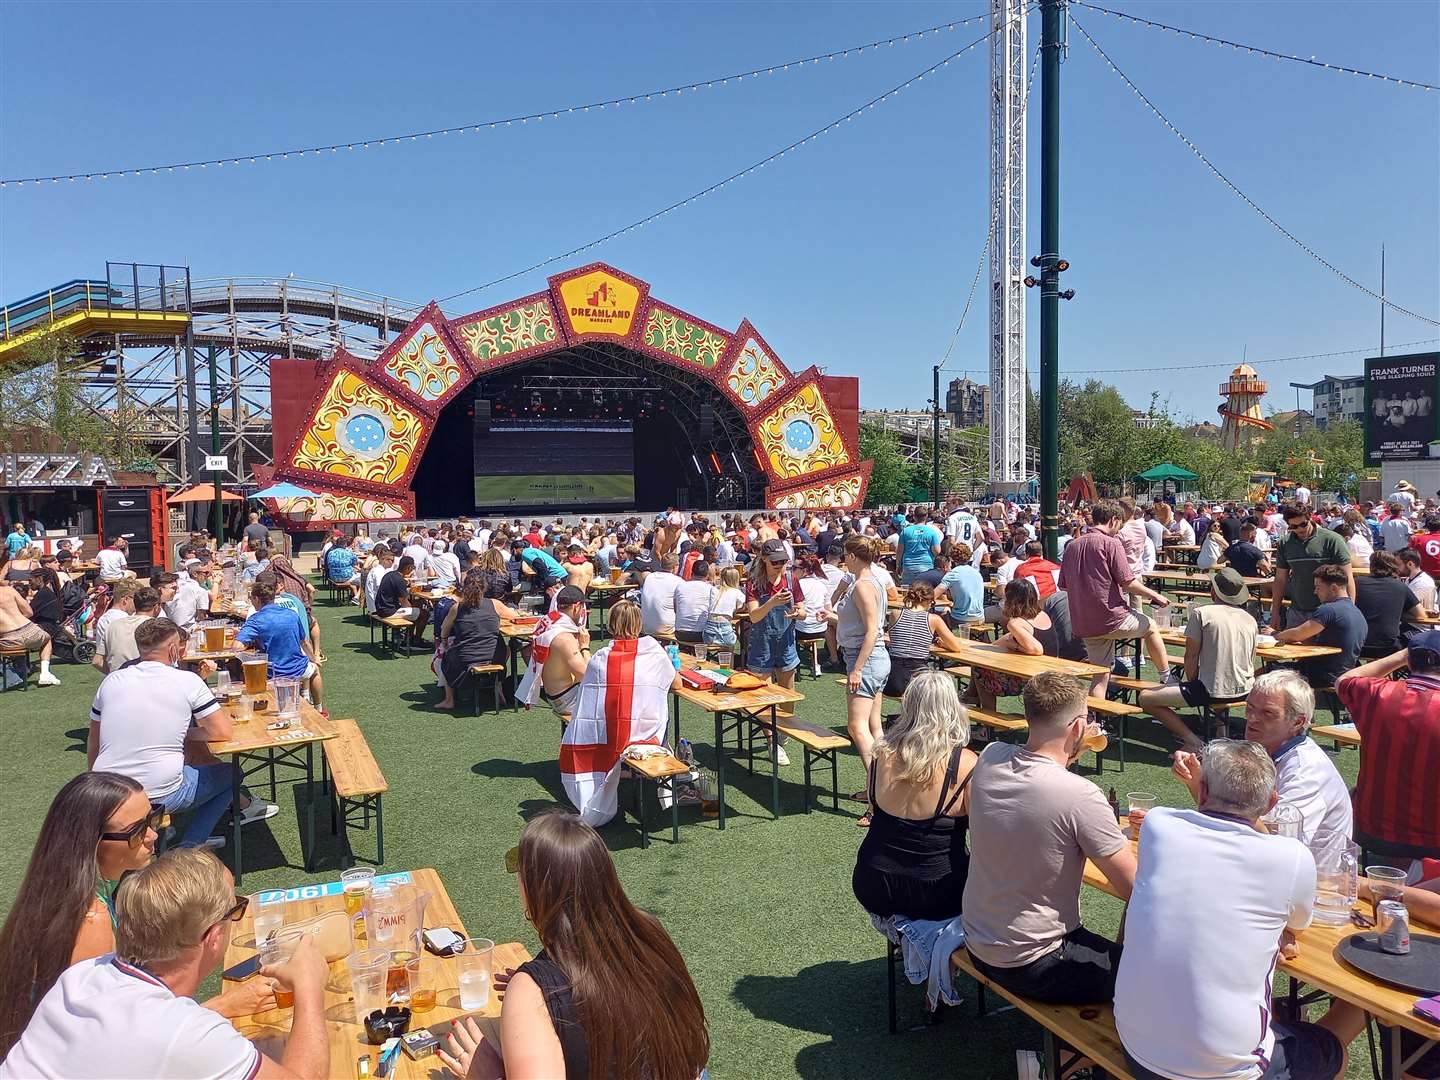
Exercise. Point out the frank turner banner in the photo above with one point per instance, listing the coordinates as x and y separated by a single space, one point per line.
1401 417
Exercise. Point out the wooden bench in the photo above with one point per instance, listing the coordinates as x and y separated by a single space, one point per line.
656 771
393 630
1343 736
818 744
1085 1031
491 673
357 786
997 721
8 657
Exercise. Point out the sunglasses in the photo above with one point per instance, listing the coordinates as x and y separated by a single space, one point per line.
157 819
236 911
1295 526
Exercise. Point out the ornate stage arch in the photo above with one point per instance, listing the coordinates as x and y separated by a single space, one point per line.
368 423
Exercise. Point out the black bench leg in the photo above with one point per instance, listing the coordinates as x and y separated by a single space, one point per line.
806 751
640 789
379 831
1052 1054
834 780
674 813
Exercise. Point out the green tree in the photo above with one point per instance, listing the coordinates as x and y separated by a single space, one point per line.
890 476
36 391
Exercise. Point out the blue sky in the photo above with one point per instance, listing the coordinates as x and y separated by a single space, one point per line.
855 253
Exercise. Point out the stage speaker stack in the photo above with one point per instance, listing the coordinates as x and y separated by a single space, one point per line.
482 417
707 422
137 514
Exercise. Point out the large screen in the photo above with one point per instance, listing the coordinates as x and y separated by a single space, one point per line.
1401 413
555 464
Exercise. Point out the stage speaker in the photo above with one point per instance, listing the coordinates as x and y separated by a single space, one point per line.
482 417
707 422
682 496
130 512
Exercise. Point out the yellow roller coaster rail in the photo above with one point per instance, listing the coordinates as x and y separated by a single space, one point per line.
82 308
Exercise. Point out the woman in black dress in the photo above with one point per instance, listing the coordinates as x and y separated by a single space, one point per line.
471 633
608 996
913 861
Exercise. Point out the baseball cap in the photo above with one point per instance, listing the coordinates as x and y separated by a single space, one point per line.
774 551
570 594
1424 652
1230 587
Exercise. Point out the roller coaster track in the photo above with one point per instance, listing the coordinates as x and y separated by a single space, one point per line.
142 351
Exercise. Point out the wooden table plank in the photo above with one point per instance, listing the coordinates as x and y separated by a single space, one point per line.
269 1030
994 658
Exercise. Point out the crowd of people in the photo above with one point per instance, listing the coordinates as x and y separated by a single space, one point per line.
966 843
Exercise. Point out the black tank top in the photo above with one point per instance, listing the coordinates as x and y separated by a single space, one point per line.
915 868
564 1017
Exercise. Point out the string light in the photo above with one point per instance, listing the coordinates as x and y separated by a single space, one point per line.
732 178
1306 248
474 127
1372 349
1254 49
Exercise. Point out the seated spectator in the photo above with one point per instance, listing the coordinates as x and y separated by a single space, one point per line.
99 827
911 636
537 564
471 635
1033 823
118 647
44 600
1212 547
1219 658
1356 535
623 699
392 597
1245 555
657 596
1277 716
147 715
280 634
340 567
111 560
292 590
384 562
1399 720
1187 1002
122 603
1336 622
1387 602
692 600
195 592
608 995
720 621
963 586
1040 571
1031 628
559 653
135 1006
913 861
1421 583
18 629
259 563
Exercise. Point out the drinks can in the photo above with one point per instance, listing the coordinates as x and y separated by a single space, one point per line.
1392 927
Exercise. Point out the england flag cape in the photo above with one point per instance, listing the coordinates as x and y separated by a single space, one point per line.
556 623
623 701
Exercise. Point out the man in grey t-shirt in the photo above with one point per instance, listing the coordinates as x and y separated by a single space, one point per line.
1033 823
255 533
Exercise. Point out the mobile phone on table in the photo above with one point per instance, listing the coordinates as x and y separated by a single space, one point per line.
243 970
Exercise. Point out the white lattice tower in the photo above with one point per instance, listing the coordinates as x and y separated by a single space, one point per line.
1007 247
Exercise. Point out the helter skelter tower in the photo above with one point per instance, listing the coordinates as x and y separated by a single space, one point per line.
1243 419
1007 242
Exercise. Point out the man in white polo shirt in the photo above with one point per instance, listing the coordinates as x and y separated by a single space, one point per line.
657 597
111 560
194 592
1214 899
133 1012
1277 716
140 722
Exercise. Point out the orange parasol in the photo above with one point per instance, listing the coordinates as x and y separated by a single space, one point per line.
202 493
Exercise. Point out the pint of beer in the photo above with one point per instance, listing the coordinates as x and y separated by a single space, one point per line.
214 636
616 574
255 668
1095 739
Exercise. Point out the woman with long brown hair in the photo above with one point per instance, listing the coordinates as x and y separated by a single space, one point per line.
859 629
608 995
289 580
99 826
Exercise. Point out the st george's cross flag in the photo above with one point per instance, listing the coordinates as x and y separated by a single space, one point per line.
546 631
623 701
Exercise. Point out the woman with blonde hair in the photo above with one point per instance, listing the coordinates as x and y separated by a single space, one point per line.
913 861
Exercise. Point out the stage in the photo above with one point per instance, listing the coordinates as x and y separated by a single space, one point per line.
590 395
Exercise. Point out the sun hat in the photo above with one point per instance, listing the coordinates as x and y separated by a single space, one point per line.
1229 587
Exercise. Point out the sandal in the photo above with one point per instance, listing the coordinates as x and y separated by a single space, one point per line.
860 796
863 821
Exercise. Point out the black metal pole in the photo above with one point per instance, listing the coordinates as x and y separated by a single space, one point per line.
1052 16
935 441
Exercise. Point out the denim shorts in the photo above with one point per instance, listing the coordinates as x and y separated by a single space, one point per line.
873 675
767 651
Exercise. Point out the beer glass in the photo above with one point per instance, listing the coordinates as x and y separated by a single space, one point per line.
255 668
1386 883
357 884
277 949
368 969
1139 804
214 636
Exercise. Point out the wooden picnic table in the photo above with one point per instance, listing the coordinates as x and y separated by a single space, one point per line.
1317 965
604 593
740 711
269 1030
1202 577
516 636
1271 654
252 739
994 658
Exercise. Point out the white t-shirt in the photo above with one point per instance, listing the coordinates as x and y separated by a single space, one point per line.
817 593
962 527
1263 541
106 1019
1005 571
729 602
1302 494
657 600
417 552
112 564
1306 779
1395 533
1423 586
103 623
692 604
144 712
1360 547
372 583
190 598
1212 896
445 567
1184 530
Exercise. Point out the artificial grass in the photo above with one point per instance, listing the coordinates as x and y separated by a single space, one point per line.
791 974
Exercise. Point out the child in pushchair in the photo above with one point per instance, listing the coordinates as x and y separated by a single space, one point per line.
81 609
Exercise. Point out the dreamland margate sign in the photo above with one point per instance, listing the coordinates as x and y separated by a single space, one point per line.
41 470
